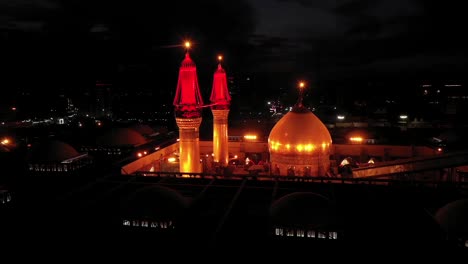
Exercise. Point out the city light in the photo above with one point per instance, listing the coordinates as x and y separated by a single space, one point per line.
171 159
341 117
220 58
403 116
187 44
356 139
5 141
250 137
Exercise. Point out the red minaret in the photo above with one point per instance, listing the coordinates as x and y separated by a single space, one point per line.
188 103
220 100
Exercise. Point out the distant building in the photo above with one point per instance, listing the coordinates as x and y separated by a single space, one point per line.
56 157
115 143
103 103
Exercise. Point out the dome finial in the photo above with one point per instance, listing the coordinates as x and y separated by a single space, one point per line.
301 86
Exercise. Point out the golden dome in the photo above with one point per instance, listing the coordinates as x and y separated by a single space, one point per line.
299 131
299 145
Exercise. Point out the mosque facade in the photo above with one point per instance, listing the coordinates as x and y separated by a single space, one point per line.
299 144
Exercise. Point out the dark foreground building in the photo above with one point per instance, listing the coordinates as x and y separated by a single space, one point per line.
144 215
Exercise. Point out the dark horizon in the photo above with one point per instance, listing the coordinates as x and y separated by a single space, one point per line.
51 48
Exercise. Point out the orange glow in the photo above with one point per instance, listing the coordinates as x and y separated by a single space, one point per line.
144 152
301 85
250 137
309 147
187 44
356 139
299 147
220 58
139 154
235 156
171 159
220 135
189 146
5 141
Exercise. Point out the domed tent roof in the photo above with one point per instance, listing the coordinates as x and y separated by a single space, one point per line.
51 151
304 209
155 202
299 130
121 137
143 129
453 218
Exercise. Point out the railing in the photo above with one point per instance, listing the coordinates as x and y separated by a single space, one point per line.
323 180
441 161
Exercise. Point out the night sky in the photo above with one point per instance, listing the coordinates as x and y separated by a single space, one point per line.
53 44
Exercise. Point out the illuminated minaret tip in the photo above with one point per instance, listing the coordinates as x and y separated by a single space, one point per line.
220 101
187 104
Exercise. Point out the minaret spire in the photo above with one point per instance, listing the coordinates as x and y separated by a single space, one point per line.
187 104
188 100
220 96
220 100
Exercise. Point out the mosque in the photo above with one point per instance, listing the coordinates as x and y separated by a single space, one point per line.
296 197
299 144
